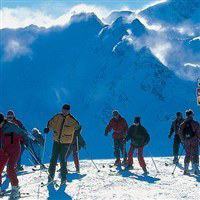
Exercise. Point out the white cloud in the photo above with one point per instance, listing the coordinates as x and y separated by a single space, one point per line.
15 49
22 16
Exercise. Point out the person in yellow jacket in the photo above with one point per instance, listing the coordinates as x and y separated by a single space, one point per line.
64 125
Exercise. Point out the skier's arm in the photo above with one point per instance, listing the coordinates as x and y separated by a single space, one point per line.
129 133
180 131
108 128
172 129
147 136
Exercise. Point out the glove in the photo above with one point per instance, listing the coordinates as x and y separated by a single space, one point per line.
106 133
46 130
124 141
169 136
27 143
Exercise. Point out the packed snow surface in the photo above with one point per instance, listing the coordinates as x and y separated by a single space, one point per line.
111 183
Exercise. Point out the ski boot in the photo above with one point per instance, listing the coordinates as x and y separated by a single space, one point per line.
175 161
186 171
145 170
15 192
117 162
124 162
19 168
195 166
77 169
129 167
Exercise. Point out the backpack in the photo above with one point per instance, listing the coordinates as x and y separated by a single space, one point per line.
187 131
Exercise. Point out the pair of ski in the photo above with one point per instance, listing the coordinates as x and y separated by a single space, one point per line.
8 193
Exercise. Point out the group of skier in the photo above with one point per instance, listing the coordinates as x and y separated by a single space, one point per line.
67 139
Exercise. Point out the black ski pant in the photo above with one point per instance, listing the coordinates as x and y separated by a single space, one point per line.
176 145
119 145
59 150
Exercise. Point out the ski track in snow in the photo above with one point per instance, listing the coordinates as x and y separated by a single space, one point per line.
90 184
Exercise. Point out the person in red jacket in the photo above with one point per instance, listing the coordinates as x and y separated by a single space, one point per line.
10 151
189 133
120 127
11 118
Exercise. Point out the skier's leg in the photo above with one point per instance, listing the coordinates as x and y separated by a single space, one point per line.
3 161
117 151
63 152
130 155
12 160
53 161
140 157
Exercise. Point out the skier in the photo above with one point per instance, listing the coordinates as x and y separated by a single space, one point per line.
174 129
189 133
11 118
64 125
36 147
120 127
139 138
10 136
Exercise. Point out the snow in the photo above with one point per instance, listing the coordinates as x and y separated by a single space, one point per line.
114 184
98 68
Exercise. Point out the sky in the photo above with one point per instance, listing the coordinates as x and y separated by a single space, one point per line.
20 13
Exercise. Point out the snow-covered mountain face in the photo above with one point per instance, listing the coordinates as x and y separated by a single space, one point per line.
97 68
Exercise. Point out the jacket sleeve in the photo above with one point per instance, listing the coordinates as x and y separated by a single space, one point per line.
52 122
109 127
129 133
75 124
180 131
125 125
16 129
172 128
147 136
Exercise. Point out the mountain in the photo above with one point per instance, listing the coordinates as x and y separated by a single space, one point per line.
97 68
172 12
116 14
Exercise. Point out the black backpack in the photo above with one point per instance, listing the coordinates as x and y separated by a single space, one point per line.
187 131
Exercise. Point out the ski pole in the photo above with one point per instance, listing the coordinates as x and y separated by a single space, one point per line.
178 159
91 159
77 151
152 159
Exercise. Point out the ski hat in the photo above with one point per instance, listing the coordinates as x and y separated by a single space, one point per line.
178 113
189 113
35 130
11 112
115 112
137 120
1 118
66 107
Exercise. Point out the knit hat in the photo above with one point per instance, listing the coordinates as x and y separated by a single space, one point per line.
10 112
178 113
189 113
1 118
66 107
137 120
115 112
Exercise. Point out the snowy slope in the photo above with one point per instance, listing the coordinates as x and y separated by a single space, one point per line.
172 12
113 184
97 68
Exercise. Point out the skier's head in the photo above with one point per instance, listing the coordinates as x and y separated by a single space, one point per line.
10 115
137 121
189 113
179 115
66 109
115 114
1 119
36 131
